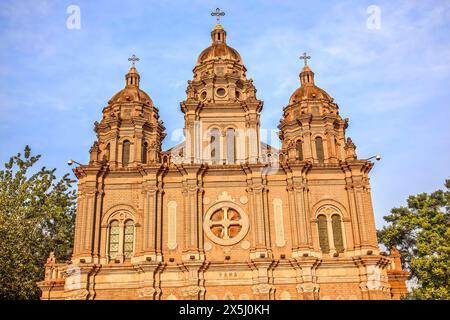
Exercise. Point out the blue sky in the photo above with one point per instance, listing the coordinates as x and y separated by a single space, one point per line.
392 83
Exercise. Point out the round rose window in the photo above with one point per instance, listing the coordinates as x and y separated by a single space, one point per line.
225 224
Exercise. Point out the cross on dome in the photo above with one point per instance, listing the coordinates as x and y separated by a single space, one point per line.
305 57
133 59
218 14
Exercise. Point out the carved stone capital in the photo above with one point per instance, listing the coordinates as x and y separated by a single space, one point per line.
146 292
191 291
308 287
262 288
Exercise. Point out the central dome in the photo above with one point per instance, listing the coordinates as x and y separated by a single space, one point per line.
219 48
219 51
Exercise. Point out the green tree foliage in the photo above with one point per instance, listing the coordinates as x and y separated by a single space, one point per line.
421 233
36 216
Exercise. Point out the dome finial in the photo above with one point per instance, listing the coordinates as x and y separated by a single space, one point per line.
132 77
218 34
306 75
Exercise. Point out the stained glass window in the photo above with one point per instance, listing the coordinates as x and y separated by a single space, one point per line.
128 242
113 239
323 233
337 233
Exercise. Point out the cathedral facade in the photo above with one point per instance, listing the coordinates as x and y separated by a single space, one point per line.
224 215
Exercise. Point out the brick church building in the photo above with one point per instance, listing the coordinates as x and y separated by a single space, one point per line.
223 215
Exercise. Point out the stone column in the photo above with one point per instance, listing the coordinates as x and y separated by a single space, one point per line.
79 221
301 217
362 216
253 138
259 210
330 235
331 145
307 143
293 216
299 210
149 225
88 225
200 222
262 290
114 146
191 192
189 132
307 287
120 255
367 200
353 215
158 222
361 210
148 273
97 226
138 148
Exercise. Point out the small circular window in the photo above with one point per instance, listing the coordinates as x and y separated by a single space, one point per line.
221 92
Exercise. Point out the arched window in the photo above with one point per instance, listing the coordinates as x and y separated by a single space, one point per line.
319 149
215 145
299 150
144 152
128 242
108 152
126 153
323 233
337 232
231 146
114 232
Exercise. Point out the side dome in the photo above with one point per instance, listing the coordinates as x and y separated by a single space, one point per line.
131 95
308 89
309 92
132 92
